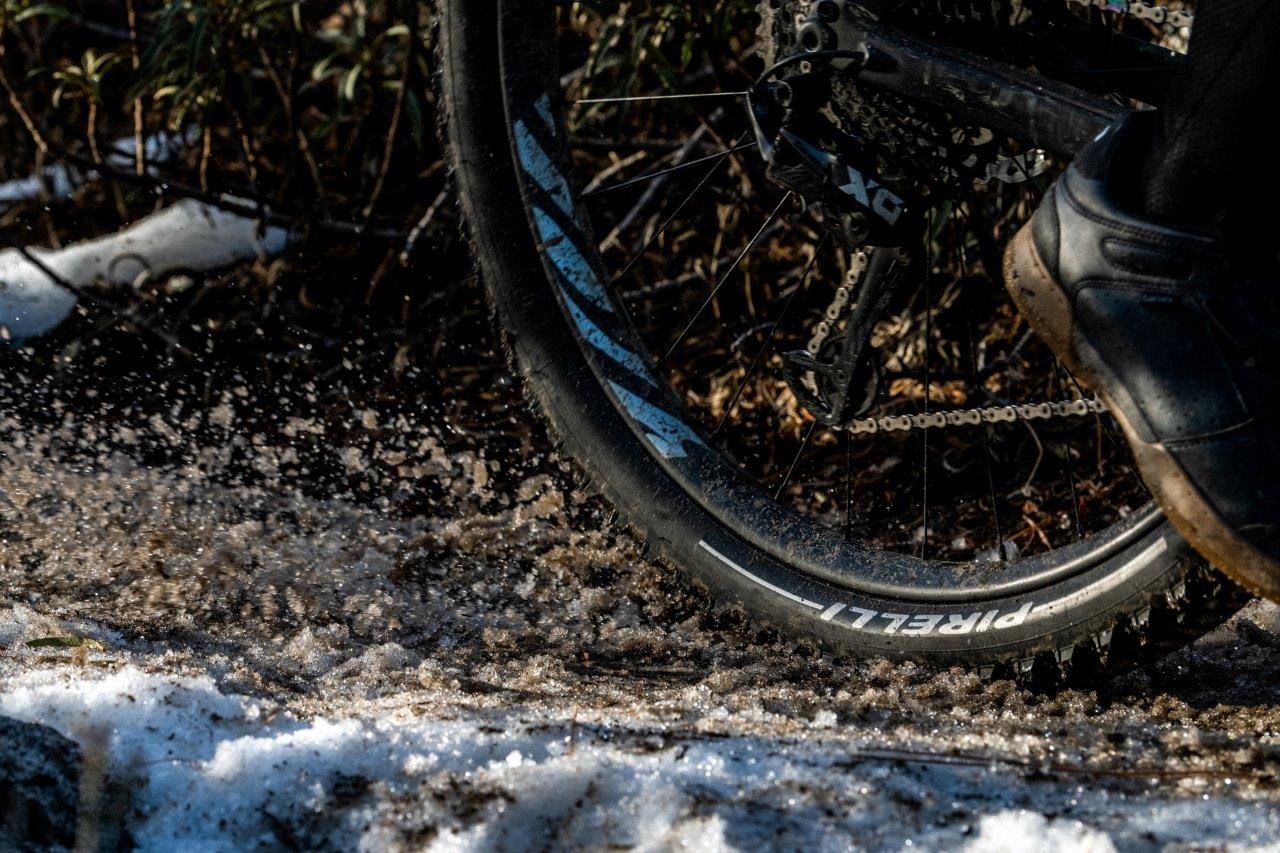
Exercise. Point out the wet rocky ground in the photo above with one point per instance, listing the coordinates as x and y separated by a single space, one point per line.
263 662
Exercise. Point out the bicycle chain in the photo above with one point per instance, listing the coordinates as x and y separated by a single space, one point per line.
976 417
857 266
933 420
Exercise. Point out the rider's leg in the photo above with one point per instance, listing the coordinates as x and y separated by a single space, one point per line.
1209 159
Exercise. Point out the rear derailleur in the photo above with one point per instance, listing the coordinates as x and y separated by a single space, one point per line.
856 194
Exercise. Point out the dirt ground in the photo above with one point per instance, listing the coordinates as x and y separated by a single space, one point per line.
287 663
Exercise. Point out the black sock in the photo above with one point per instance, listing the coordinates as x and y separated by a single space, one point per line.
1211 162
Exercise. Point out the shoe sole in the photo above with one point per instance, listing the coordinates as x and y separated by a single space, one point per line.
1049 312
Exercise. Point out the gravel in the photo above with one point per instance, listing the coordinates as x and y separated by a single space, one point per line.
275 665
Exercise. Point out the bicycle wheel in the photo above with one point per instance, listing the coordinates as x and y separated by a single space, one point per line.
875 505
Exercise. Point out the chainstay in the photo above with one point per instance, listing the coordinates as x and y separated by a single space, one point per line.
978 417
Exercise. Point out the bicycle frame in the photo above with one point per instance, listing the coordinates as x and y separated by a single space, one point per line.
1060 117
1056 116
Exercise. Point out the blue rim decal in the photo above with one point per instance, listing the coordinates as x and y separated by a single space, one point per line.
670 436
543 106
666 433
539 167
607 345
568 261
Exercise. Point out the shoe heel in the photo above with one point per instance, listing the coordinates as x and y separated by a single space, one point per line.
1038 297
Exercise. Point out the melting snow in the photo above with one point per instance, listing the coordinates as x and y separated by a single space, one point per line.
289 671
218 771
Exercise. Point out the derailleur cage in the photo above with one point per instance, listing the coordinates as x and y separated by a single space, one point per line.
838 378
834 391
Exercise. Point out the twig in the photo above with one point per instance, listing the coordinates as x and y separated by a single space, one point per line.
598 181
16 103
253 209
410 53
406 254
685 279
135 60
653 190
116 313
246 145
286 100
185 236
49 272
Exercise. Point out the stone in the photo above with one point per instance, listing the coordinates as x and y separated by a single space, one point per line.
39 777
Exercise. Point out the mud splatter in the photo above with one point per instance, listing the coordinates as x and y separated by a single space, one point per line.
474 676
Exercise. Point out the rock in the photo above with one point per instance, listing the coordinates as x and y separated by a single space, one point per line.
39 773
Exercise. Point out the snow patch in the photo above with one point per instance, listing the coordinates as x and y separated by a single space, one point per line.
1017 831
60 180
215 771
188 235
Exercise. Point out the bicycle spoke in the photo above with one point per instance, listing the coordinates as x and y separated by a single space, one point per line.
1074 60
663 172
977 377
651 192
1119 446
986 454
928 349
1071 472
1034 180
802 285
848 484
721 158
637 98
1127 69
723 280
792 469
